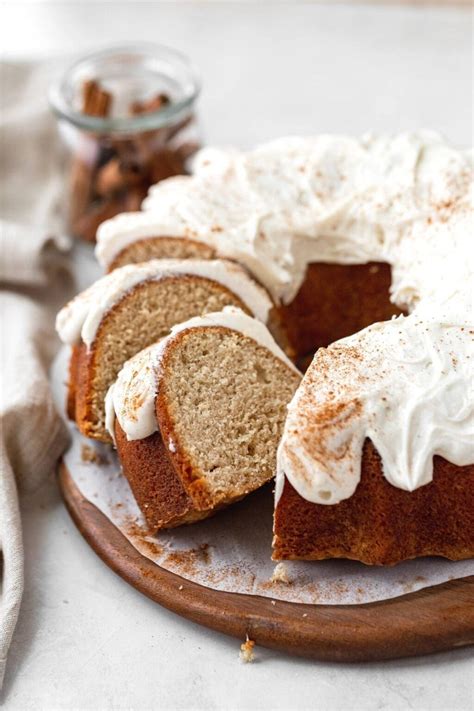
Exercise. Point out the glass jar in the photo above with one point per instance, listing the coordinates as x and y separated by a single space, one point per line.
127 118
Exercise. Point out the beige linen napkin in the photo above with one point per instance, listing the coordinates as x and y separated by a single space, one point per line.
33 281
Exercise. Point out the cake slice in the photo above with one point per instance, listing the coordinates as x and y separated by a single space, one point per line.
197 417
137 238
135 306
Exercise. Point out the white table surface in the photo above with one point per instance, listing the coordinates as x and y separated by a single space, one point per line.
86 640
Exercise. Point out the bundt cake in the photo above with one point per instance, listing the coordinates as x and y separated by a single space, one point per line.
376 462
132 308
197 417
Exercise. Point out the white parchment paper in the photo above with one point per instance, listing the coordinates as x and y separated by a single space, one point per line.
232 550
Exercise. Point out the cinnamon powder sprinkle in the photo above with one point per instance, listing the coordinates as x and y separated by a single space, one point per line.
185 561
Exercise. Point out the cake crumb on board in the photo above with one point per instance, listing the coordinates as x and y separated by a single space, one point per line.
246 654
280 575
89 455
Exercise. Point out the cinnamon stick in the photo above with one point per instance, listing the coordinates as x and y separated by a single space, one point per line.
124 166
95 102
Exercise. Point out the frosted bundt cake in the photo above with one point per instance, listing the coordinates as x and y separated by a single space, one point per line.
132 308
197 418
376 461
325 224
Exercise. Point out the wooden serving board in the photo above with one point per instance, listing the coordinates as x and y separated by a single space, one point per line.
434 619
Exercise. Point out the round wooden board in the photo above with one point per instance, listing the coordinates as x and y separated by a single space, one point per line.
434 619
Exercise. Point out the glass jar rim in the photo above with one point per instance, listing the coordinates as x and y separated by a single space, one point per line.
125 124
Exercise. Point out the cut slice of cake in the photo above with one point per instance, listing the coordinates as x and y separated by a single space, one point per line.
135 306
197 418
139 239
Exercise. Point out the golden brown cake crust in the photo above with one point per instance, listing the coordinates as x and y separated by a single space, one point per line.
381 524
72 383
155 484
78 402
154 477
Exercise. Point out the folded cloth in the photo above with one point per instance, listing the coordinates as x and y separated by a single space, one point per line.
32 437
29 256
34 281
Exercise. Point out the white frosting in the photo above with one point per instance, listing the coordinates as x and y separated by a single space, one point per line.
81 317
132 397
299 200
405 200
404 384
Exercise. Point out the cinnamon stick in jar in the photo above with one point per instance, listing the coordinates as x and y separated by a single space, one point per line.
113 173
95 102
124 131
